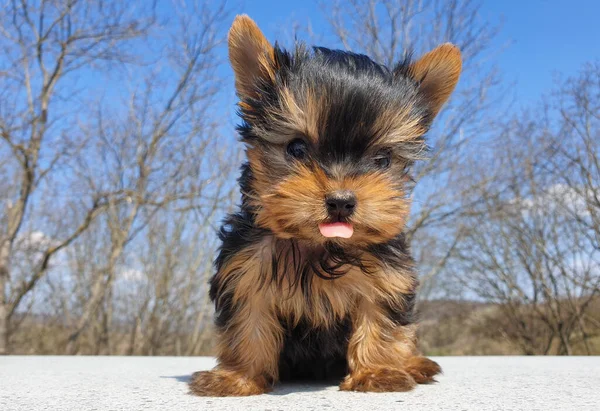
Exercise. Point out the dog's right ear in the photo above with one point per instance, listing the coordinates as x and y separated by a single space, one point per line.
251 56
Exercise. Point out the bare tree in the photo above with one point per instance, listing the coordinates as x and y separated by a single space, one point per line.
176 267
577 165
531 245
115 169
44 44
164 154
86 188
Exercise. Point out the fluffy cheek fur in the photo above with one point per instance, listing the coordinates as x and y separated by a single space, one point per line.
294 206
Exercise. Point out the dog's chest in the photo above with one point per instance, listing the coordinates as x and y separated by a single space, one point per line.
320 302
296 286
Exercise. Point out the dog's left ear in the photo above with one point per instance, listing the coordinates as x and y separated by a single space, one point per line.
437 73
251 56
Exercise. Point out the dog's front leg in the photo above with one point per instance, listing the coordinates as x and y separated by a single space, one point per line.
382 354
248 354
250 335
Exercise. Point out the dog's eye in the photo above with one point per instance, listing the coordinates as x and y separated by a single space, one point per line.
383 158
297 149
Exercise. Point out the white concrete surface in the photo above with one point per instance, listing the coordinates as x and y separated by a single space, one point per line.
159 383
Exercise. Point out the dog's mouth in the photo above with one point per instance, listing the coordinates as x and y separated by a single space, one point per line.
339 229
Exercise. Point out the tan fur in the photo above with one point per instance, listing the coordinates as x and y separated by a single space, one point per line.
379 380
383 356
288 198
227 383
377 342
342 295
294 117
291 207
398 128
438 72
301 116
251 55
422 369
379 351
253 339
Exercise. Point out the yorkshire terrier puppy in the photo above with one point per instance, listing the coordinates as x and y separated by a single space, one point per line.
314 278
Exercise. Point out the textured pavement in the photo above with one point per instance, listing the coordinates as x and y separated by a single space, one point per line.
159 383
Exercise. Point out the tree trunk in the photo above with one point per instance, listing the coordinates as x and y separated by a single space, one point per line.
98 291
102 283
4 253
105 343
133 336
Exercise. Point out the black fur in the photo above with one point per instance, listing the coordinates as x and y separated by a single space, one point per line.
358 89
314 353
308 353
403 315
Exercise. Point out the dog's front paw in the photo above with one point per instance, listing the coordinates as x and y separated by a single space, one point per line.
225 383
381 380
422 369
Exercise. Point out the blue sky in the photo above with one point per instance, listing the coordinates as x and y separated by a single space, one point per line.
544 37
547 37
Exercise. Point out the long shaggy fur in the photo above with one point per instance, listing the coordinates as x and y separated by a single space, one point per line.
291 303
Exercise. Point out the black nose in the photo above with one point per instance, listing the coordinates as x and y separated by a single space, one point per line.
340 204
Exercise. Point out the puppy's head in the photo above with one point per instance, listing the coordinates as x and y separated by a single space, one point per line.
331 135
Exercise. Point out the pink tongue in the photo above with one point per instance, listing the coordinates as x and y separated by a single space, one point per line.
343 230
